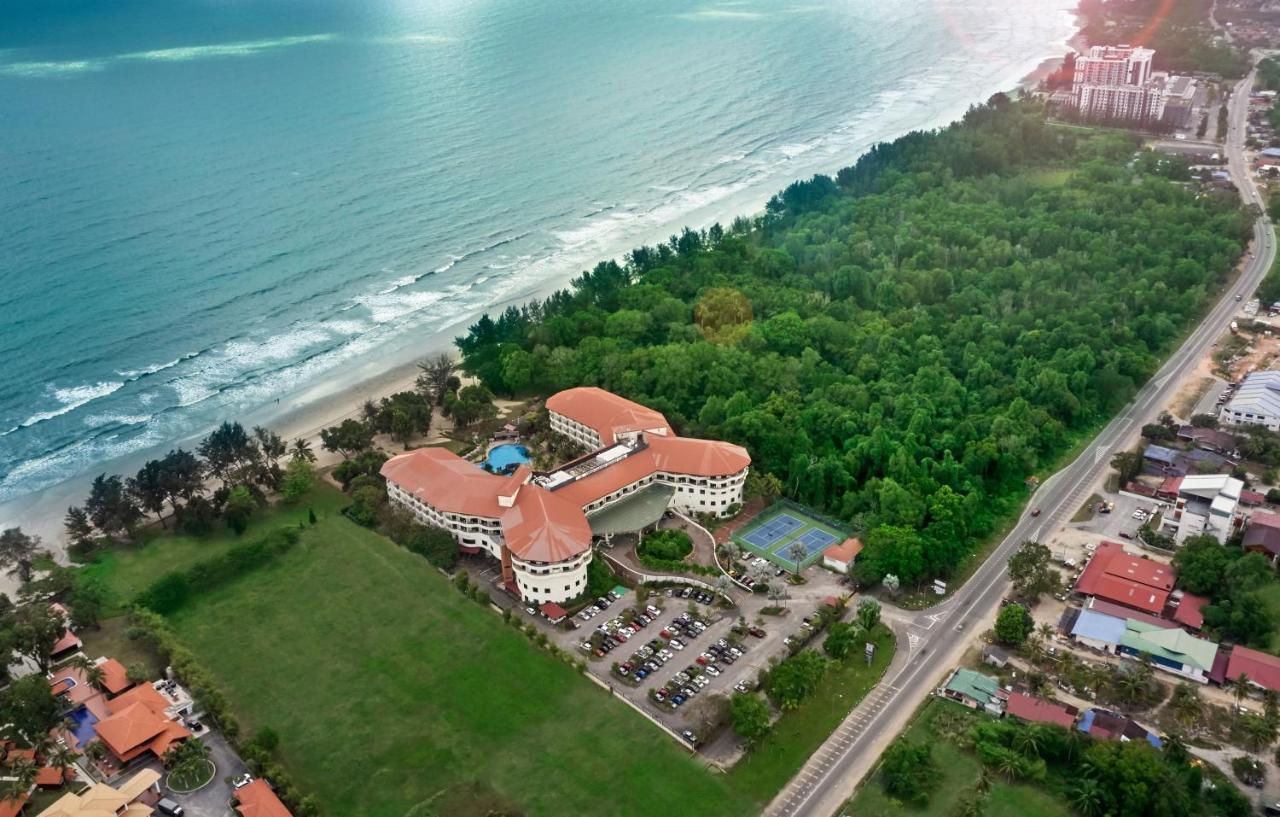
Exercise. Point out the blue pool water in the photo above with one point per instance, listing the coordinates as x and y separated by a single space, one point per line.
502 457
84 721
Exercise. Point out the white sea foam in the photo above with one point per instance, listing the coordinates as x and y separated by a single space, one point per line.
134 374
730 158
237 49
71 399
712 14
51 69
98 420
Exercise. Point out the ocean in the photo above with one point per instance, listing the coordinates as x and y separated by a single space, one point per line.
215 209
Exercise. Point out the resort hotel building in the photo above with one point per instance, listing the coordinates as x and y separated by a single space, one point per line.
540 526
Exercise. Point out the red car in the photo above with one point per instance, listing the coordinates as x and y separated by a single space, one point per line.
1036 512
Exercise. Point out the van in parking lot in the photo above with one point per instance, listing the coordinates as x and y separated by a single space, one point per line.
167 806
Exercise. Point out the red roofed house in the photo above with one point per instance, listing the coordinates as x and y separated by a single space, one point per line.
1189 611
115 678
139 723
539 526
1115 575
1262 670
839 557
69 642
258 800
1035 710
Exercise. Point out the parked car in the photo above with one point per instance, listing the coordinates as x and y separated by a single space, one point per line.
757 632
712 670
167 806
689 736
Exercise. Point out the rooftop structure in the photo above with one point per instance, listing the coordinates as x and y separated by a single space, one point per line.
102 800
838 557
539 526
1173 650
1204 505
1115 82
1114 574
139 723
1256 402
1036 710
973 689
1105 725
258 800
1262 670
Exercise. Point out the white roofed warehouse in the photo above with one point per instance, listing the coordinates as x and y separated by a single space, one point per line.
1255 403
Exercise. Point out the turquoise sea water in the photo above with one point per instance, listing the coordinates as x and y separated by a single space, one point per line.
211 207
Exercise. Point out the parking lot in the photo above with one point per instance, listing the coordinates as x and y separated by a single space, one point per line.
674 651
1120 525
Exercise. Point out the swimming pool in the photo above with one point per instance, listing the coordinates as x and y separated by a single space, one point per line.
508 455
84 721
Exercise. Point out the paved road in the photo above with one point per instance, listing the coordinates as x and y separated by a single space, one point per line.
936 637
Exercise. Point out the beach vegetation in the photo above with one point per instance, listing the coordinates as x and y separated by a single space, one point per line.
437 378
349 438
299 477
470 405
18 553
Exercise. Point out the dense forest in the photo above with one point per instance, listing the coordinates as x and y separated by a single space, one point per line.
906 344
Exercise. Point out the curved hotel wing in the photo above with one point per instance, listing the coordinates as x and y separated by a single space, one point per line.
536 524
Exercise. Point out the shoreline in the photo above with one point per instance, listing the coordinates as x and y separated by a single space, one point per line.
342 394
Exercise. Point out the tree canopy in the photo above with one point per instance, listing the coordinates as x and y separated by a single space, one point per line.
908 342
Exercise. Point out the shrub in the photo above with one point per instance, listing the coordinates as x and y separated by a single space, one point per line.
172 590
668 545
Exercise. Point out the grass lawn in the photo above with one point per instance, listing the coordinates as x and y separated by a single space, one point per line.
393 694
109 640
128 570
957 772
799 733
1270 596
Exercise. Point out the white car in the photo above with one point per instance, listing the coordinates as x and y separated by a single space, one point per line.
242 781
1140 514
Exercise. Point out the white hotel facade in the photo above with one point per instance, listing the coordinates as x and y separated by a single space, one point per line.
538 526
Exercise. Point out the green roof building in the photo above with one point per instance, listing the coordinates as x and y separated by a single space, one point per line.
973 689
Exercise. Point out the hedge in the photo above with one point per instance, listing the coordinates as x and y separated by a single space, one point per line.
174 589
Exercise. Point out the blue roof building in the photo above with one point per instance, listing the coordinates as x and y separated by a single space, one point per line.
1098 630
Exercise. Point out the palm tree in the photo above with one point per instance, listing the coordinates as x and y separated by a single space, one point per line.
1256 732
868 613
1046 631
1008 765
1271 706
1028 741
1186 703
723 585
731 551
61 757
1239 691
302 450
93 674
1086 797
19 777
797 553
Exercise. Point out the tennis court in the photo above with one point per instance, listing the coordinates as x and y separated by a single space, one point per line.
776 533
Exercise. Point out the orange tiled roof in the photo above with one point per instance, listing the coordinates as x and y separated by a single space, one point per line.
673 455
137 724
115 678
68 641
845 551
543 527
446 481
10 807
258 800
606 413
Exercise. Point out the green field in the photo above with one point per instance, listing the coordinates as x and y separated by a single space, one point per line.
127 570
1270 596
390 690
957 772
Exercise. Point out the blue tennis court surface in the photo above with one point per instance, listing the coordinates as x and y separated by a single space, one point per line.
813 540
773 530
